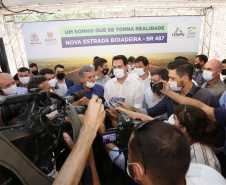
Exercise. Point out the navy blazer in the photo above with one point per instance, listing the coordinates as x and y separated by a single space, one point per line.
69 83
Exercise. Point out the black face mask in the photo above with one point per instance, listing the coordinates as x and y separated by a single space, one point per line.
60 76
223 72
198 66
105 71
35 72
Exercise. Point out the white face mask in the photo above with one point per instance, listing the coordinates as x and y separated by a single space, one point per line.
24 80
128 172
90 84
119 73
139 71
208 75
11 90
173 86
52 82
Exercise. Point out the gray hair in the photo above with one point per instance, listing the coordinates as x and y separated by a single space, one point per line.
85 68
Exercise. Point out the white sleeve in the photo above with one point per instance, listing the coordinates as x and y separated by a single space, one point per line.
106 92
118 159
139 96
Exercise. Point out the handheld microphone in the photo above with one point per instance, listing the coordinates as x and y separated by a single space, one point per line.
104 103
75 96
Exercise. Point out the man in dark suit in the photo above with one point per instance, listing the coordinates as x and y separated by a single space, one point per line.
62 84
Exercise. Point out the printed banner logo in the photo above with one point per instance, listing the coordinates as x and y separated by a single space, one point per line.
178 33
34 37
50 40
50 34
191 32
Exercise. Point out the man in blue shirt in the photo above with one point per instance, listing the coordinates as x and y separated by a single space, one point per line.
87 78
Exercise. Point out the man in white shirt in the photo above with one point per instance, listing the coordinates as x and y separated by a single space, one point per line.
101 71
62 84
123 86
142 70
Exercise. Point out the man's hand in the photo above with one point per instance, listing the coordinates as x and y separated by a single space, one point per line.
166 88
124 105
102 129
112 112
144 117
95 113
83 101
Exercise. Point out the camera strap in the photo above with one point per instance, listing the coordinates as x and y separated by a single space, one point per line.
75 121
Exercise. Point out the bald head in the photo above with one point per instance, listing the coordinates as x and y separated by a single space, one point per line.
214 64
6 80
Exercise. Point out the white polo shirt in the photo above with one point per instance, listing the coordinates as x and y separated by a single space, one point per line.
130 89
200 174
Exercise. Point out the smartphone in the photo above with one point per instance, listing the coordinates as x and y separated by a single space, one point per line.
109 137
113 104
157 87
117 99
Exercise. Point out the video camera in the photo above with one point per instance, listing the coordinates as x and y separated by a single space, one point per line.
121 134
34 142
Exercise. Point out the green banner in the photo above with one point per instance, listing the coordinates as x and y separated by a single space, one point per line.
113 29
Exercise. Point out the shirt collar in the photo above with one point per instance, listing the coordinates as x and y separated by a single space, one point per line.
126 80
192 92
59 82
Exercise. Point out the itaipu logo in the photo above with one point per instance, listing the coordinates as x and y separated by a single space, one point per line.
34 37
50 34
178 33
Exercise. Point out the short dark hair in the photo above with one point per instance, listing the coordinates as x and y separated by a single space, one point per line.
198 126
59 65
142 59
162 72
45 71
182 67
15 77
33 65
224 61
99 62
202 58
35 81
181 57
24 69
157 143
131 59
125 62
96 57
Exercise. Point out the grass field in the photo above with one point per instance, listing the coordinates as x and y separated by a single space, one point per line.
71 64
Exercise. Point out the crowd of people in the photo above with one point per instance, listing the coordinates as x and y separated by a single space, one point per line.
182 137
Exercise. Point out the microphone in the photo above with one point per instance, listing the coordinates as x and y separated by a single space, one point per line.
104 103
75 96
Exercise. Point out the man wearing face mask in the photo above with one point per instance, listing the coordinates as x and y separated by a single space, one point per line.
159 153
34 69
101 71
123 85
24 76
223 73
87 79
10 113
211 74
62 84
142 70
180 80
200 61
